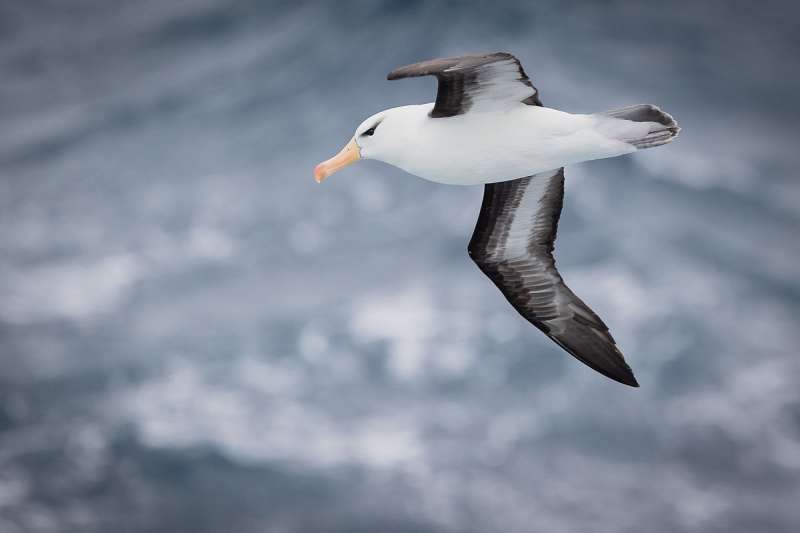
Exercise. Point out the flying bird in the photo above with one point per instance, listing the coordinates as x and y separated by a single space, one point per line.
488 126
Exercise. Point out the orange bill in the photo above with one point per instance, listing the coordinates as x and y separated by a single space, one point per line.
349 154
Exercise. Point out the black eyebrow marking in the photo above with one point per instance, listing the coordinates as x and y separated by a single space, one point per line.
371 131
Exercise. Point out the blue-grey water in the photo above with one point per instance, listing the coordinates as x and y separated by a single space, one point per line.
195 336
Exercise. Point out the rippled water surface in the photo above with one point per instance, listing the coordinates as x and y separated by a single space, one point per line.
195 336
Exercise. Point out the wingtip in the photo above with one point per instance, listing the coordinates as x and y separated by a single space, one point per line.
621 373
626 379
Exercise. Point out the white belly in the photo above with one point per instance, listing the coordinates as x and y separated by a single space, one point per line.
477 148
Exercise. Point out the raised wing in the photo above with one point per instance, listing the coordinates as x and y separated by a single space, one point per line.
513 245
474 83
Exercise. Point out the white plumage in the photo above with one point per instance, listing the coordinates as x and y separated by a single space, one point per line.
487 146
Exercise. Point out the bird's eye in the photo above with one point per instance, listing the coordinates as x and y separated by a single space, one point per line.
370 132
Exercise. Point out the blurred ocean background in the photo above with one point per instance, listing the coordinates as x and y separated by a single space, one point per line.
195 336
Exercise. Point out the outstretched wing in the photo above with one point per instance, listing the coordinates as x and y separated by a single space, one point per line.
474 82
513 245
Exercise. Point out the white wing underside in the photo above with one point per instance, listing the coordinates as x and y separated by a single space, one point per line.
498 87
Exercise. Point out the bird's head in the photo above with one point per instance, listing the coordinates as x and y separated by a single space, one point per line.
375 138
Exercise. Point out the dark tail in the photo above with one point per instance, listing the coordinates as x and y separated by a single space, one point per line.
663 130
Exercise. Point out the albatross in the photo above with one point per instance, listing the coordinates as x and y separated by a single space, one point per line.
488 126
